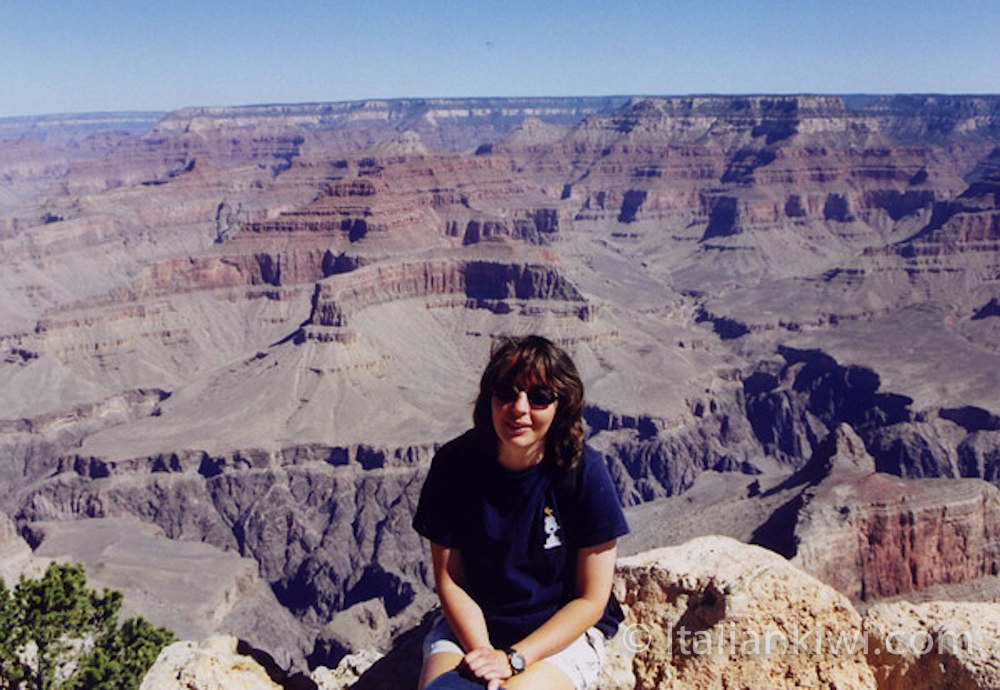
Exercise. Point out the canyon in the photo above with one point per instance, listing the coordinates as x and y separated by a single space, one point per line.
250 328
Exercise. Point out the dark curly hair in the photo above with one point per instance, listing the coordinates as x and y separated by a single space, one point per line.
533 359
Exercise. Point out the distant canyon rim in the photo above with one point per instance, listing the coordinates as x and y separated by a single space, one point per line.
233 337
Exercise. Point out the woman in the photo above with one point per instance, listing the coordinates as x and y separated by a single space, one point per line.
523 523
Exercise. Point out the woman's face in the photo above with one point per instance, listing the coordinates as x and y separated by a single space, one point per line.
521 420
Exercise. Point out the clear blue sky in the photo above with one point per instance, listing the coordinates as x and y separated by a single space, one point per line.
61 56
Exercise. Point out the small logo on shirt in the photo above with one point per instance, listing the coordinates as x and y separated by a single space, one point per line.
551 526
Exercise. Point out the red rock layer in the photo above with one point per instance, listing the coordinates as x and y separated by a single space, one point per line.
894 536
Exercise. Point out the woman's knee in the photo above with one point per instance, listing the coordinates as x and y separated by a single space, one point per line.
540 676
436 665
453 680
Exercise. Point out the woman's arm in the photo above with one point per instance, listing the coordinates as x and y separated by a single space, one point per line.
465 618
463 614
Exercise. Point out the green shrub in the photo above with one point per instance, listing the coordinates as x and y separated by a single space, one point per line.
55 634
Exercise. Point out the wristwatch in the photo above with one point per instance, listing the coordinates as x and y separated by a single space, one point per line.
516 660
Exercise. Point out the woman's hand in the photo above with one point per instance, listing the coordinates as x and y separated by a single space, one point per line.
489 664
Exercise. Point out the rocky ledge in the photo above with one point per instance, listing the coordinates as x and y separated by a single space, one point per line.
711 613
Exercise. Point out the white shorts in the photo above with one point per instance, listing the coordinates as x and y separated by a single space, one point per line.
581 660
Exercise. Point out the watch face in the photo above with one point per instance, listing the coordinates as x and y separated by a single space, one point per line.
516 661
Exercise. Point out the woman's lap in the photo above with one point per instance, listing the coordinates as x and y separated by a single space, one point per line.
580 662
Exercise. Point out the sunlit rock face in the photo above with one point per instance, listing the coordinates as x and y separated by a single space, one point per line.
934 644
716 612
211 663
253 326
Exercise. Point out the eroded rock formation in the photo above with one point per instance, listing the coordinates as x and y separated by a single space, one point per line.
716 613
211 663
934 645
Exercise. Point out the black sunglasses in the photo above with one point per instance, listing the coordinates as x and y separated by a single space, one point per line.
538 396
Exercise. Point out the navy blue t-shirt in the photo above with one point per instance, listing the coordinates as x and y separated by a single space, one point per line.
518 532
